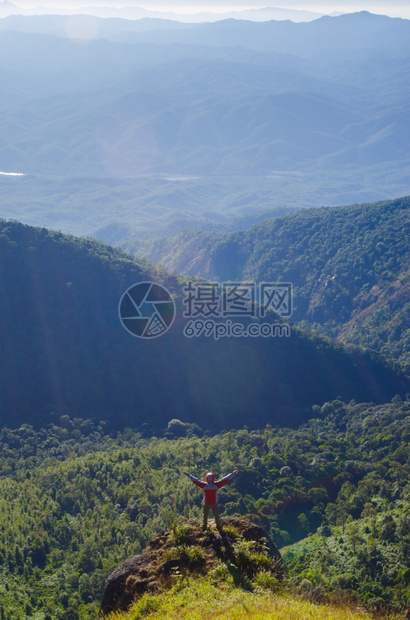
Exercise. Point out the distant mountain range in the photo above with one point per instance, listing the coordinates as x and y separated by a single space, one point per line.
64 350
199 122
134 13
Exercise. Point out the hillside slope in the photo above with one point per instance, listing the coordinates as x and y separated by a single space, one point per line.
64 350
349 267
202 599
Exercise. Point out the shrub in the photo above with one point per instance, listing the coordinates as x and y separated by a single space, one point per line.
232 531
180 533
265 580
220 572
196 555
248 560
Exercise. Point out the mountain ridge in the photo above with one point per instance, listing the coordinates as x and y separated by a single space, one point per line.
65 350
348 266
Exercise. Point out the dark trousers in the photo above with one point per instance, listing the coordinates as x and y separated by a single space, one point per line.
214 508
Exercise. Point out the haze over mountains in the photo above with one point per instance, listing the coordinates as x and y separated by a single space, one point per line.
136 12
134 128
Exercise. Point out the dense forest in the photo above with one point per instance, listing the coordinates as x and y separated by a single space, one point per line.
64 350
348 266
75 501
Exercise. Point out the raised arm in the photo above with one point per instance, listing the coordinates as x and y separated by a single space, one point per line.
196 481
220 483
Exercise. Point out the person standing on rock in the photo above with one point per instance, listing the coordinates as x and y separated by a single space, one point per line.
210 489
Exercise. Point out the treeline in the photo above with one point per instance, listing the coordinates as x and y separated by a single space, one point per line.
348 266
76 501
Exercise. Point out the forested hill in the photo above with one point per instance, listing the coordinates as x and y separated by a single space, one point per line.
349 267
64 350
76 502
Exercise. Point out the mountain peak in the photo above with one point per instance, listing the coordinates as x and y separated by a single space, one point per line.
187 549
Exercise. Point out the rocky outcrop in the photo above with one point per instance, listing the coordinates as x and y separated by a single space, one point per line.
186 548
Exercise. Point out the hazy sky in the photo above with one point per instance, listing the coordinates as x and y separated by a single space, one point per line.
395 8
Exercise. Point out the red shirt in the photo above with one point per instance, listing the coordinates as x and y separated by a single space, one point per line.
211 488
